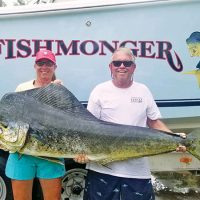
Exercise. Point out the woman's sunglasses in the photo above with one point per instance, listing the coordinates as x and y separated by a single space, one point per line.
47 63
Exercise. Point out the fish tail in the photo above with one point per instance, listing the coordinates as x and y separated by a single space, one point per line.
193 143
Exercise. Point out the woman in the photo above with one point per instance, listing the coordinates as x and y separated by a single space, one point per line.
22 169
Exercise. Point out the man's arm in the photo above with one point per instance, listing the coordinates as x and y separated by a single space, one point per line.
158 124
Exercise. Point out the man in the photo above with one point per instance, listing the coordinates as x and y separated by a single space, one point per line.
22 169
124 101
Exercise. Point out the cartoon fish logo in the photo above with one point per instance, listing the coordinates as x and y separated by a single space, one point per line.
193 43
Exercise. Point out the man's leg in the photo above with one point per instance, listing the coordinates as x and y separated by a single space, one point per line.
101 187
137 189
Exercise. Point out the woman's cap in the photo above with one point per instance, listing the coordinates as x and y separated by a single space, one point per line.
45 54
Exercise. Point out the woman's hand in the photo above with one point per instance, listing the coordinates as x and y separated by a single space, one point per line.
57 81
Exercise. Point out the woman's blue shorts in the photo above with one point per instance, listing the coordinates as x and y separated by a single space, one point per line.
26 167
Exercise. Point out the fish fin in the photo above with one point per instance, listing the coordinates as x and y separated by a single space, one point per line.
55 160
105 163
107 166
36 135
192 143
58 96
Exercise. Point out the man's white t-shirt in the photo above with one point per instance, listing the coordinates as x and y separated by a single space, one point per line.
129 106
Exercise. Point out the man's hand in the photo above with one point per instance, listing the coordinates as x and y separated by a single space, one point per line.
81 158
182 135
181 148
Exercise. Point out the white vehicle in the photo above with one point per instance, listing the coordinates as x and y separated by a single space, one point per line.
164 35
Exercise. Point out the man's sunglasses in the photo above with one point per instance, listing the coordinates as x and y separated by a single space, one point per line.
47 63
126 63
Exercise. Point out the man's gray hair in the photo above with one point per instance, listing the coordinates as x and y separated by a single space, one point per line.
126 50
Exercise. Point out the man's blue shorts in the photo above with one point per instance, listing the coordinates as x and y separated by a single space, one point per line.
106 187
25 167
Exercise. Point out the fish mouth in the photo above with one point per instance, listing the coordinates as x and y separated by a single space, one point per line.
13 136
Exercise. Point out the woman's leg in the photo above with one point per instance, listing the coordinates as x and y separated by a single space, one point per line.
49 175
22 189
51 188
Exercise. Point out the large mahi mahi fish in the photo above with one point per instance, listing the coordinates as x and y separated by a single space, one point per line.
51 122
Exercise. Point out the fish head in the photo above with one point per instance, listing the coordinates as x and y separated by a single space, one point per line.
13 135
